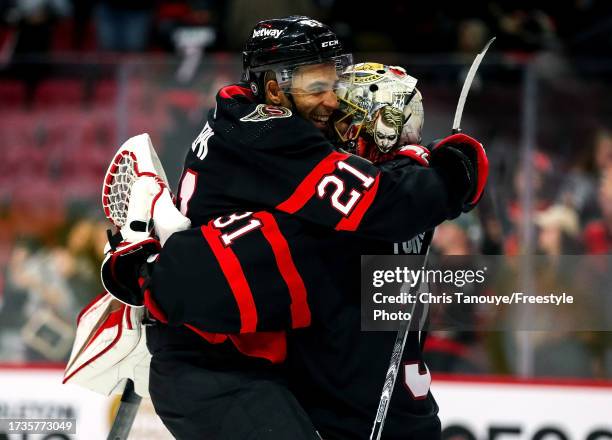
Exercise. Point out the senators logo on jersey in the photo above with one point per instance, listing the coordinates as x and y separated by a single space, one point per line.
264 112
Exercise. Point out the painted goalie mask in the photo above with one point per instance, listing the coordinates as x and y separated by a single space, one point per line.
379 102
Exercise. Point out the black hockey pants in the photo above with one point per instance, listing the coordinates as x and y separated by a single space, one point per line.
207 392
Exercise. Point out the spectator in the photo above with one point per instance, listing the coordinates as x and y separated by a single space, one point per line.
563 352
47 285
559 230
603 151
543 187
457 237
598 233
45 323
579 187
472 35
195 16
454 351
522 27
34 20
123 25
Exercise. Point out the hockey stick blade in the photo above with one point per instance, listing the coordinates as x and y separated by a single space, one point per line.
467 84
124 419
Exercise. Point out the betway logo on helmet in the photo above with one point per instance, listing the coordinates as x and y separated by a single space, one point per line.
265 32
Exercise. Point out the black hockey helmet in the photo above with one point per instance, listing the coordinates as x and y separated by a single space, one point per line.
283 44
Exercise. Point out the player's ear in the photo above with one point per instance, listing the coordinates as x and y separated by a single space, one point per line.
273 92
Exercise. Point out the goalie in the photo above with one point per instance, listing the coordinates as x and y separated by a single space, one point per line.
308 294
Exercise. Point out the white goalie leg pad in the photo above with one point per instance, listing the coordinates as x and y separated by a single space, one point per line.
110 347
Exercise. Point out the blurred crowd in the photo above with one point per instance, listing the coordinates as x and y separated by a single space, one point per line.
577 26
571 215
61 121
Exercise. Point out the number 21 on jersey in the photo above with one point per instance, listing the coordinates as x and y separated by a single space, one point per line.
333 181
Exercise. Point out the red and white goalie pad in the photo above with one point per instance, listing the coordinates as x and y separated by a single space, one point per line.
109 348
135 191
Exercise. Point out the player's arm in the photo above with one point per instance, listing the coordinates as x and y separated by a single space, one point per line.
286 164
426 188
241 273
320 184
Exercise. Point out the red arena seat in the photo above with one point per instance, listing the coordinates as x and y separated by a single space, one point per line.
59 93
12 94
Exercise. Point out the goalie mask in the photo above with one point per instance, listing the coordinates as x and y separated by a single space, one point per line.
381 103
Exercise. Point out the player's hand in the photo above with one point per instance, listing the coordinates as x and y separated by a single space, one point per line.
465 165
124 269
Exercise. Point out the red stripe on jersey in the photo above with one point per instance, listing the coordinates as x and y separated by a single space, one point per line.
300 312
153 307
212 338
352 222
268 345
235 277
306 189
230 92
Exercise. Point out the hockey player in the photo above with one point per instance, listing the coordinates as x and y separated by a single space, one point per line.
266 149
329 279
262 148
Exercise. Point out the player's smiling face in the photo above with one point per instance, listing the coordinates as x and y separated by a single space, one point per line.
313 93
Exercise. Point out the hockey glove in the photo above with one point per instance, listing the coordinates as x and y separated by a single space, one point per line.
124 268
417 153
369 151
464 164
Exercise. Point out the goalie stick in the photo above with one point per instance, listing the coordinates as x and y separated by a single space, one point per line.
407 326
126 413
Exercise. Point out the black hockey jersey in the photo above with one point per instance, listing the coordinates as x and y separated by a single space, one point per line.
296 264
253 156
286 274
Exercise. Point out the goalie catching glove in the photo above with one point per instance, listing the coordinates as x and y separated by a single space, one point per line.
149 209
464 165
135 194
127 252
